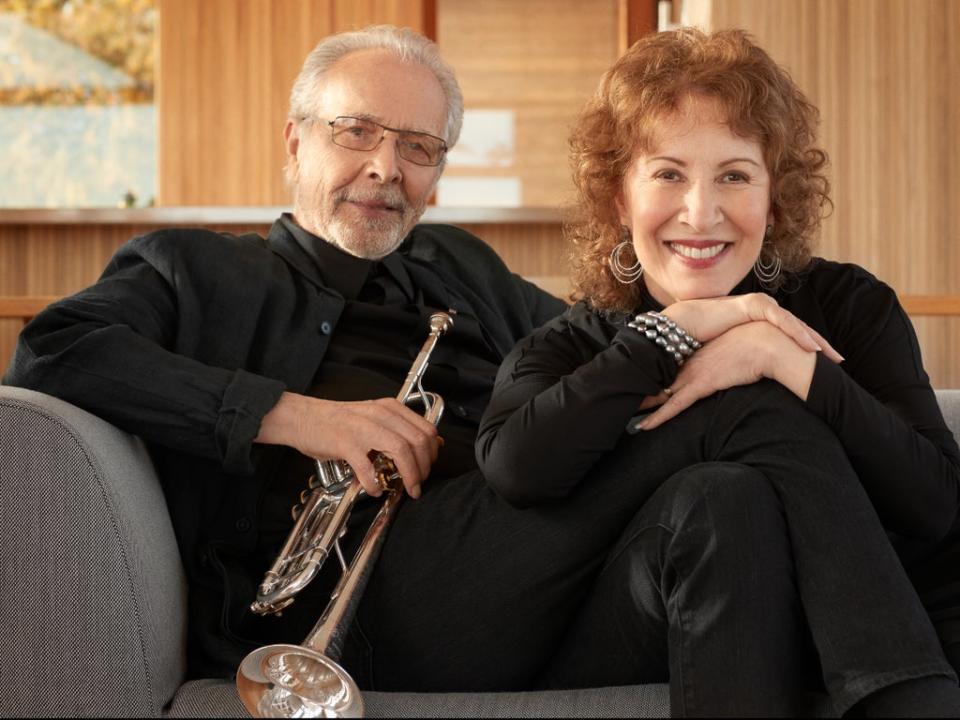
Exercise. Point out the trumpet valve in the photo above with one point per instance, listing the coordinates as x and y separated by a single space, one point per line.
276 608
385 471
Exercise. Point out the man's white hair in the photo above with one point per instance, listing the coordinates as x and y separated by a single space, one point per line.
405 43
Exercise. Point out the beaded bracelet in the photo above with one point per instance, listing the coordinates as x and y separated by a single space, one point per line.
663 331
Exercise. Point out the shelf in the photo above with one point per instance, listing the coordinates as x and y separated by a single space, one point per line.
260 215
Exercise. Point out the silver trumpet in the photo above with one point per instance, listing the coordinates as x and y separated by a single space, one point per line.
305 680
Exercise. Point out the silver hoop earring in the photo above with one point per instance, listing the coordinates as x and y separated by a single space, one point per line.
768 271
624 273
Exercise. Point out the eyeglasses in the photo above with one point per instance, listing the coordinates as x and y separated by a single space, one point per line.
365 135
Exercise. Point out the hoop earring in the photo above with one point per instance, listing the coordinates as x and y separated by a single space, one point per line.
626 274
768 271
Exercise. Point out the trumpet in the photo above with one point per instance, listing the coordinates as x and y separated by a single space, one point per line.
286 680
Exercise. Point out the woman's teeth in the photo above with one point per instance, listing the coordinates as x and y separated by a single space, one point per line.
697 253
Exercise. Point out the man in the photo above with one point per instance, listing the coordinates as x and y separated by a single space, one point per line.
238 359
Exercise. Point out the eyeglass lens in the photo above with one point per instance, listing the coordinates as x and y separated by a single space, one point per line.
362 134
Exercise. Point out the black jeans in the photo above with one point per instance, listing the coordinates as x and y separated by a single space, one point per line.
701 580
472 594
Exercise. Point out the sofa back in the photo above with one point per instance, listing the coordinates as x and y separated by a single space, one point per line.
950 405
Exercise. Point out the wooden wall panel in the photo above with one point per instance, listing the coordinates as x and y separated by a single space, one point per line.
534 249
636 19
225 71
356 14
540 59
886 77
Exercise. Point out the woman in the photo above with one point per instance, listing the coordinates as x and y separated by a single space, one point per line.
706 328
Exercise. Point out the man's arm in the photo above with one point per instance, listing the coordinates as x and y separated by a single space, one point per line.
109 350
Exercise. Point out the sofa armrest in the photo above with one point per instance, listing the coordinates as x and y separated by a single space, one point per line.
949 401
93 619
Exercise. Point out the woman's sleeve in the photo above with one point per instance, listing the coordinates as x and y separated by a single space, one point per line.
110 350
561 401
885 413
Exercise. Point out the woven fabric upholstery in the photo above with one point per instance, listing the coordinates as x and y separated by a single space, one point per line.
950 405
207 699
612 702
93 618
218 698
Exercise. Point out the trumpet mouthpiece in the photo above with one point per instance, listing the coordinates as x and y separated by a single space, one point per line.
441 322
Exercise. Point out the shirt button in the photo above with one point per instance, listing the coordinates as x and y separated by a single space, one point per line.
243 524
325 327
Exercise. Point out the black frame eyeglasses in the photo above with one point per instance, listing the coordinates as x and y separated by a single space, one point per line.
364 135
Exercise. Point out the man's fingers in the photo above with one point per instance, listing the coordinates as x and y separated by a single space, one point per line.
364 472
407 438
411 415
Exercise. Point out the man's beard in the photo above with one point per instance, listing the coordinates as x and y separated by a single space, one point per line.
365 237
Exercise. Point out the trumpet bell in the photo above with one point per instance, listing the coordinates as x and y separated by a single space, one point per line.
295 681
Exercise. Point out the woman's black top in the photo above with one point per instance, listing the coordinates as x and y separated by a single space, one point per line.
565 394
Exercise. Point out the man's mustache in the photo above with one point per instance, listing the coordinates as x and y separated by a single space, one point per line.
393 199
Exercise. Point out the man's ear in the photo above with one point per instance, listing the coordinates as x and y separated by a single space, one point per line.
291 138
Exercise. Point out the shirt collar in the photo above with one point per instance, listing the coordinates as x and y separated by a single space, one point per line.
343 272
338 270
748 284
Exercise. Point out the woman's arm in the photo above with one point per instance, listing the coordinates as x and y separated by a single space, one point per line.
561 401
883 410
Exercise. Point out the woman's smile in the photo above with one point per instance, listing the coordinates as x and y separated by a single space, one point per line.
699 253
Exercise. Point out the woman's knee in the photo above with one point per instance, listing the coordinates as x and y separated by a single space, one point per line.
721 494
775 405
713 502
713 529
766 426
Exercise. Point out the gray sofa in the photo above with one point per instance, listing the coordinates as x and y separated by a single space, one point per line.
93 612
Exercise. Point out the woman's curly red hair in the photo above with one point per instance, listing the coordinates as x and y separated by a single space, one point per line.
648 84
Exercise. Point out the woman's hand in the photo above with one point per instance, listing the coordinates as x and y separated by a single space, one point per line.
328 430
742 355
710 318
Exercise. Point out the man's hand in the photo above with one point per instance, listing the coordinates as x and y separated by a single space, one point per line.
328 430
